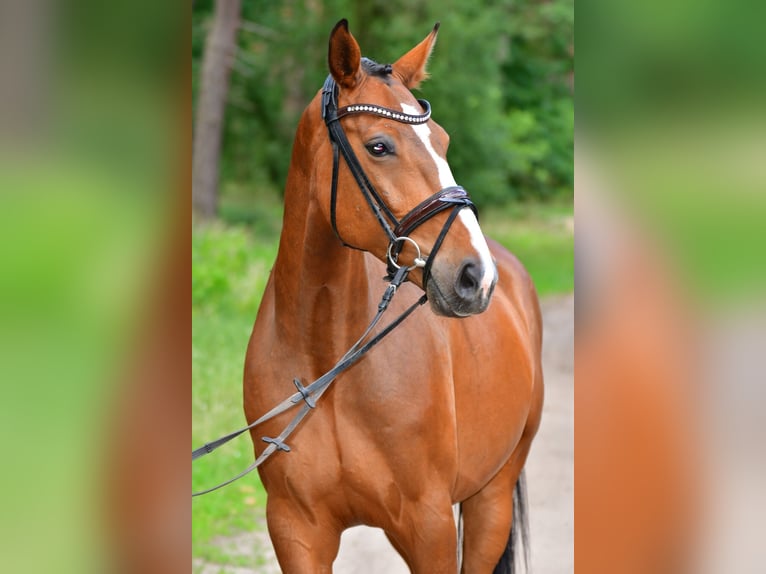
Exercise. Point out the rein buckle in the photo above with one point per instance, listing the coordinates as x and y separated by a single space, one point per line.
306 396
278 443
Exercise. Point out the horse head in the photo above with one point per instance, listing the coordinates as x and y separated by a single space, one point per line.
402 174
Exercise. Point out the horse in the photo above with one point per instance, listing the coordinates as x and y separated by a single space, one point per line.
444 410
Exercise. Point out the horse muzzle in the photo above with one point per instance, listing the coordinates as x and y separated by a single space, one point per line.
461 290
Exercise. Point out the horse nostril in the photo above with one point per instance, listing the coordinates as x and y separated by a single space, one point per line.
468 280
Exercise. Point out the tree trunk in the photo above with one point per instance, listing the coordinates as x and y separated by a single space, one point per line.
220 48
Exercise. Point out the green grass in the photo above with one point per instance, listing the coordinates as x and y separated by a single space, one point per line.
541 235
219 341
230 265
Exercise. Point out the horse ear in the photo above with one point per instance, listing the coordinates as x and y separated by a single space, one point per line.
411 68
344 56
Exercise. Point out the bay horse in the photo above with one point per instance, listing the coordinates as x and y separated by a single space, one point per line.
445 409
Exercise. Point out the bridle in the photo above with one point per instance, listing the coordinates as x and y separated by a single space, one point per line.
398 231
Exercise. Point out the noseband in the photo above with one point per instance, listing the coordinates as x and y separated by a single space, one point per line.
398 231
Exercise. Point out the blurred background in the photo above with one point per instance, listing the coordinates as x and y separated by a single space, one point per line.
95 158
670 305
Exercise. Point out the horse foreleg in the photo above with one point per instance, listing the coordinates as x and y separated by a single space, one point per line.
304 544
426 537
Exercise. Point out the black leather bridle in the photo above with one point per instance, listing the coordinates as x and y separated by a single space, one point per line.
398 231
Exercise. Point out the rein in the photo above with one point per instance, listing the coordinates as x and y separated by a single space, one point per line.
310 395
454 197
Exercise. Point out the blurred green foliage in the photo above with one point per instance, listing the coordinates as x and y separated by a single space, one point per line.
672 130
501 85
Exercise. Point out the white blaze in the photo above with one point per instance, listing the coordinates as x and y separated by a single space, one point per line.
466 216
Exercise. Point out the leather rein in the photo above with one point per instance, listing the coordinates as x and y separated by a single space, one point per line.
454 198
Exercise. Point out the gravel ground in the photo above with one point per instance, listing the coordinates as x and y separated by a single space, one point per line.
550 480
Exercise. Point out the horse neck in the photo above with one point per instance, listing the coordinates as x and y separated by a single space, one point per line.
322 291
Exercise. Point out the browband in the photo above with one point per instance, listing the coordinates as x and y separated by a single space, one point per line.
388 112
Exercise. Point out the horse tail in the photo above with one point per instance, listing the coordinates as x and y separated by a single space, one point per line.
518 541
457 510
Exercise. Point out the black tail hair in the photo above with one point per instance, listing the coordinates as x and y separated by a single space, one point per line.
519 537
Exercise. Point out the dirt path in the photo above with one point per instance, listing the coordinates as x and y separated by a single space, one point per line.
550 471
550 480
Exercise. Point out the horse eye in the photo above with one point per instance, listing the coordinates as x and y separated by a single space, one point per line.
378 149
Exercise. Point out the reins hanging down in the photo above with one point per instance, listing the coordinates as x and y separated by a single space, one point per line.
311 394
397 231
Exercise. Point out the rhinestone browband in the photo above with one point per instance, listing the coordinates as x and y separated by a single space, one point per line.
388 113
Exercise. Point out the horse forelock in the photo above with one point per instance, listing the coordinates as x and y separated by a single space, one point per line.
373 69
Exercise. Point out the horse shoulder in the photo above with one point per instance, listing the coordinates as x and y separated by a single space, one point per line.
517 285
